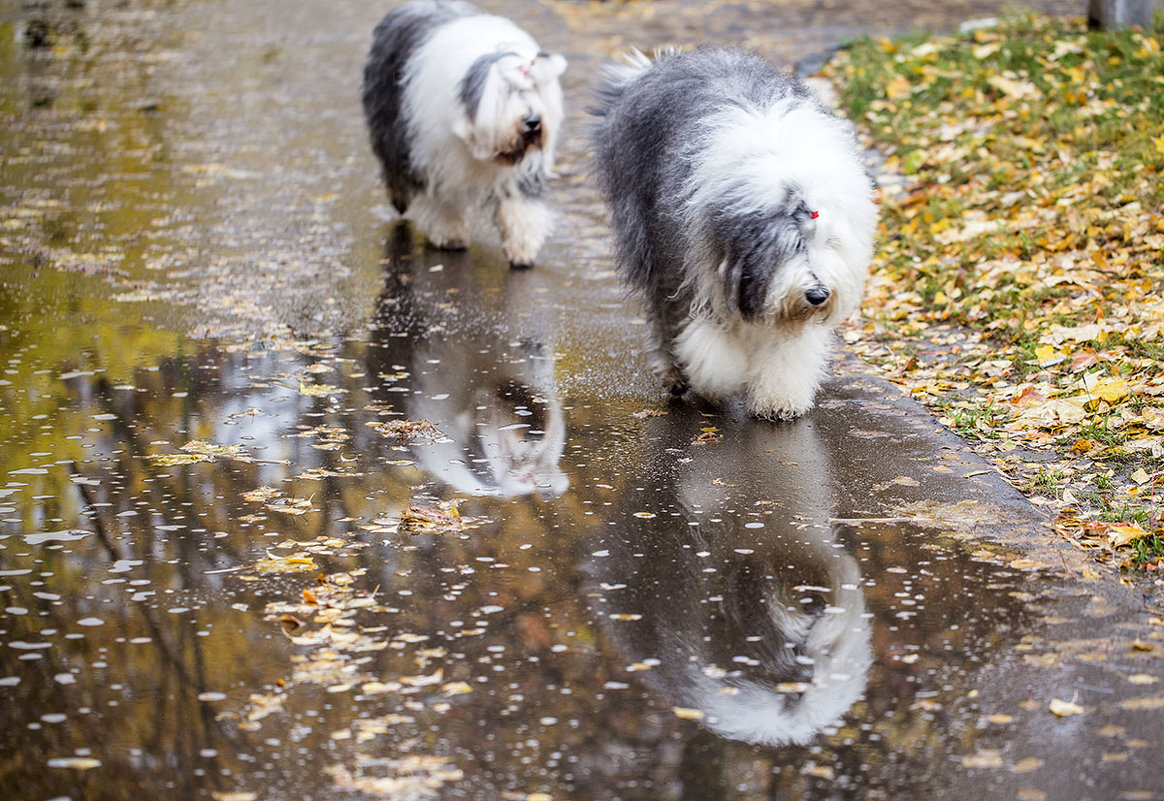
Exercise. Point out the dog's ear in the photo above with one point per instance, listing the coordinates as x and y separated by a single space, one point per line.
548 66
481 94
754 249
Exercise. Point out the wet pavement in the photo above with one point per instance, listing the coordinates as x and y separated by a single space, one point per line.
229 570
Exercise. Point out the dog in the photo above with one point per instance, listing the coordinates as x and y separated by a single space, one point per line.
743 216
463 109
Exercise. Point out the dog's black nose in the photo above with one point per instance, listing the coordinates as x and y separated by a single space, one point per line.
533 123
817 295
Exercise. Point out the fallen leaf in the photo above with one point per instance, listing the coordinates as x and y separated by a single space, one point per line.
1065 709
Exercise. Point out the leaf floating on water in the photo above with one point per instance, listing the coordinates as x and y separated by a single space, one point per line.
290 624
291 506
413 778
319 390
686 713
199 451
441 519
286 564
710 434
406 429
173 459
983 759
456 688
1143 704
238 796
423 681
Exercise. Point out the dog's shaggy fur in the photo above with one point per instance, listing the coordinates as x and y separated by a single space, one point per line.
464 109
744 219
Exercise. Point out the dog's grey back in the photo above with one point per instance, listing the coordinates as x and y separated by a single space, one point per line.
651 126
395 40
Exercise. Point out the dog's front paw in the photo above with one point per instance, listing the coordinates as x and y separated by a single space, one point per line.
778 415
669 373
790 404
451 243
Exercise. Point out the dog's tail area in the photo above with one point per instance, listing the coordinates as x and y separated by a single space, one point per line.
618 75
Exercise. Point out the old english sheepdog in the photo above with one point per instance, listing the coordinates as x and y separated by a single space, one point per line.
463 109
744 218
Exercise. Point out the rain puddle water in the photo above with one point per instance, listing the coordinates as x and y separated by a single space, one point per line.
242 567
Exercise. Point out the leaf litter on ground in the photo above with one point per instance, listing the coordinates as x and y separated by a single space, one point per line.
1016 289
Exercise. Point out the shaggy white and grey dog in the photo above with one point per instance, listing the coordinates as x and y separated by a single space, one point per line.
744 218
463 109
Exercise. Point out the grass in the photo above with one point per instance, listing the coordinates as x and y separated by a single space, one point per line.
1022 205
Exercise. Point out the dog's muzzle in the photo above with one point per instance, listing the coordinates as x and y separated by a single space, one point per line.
531 130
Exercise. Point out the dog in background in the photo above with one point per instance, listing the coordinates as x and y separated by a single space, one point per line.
744 219
463 109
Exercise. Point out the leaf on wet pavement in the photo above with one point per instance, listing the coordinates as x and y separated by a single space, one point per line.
1065 709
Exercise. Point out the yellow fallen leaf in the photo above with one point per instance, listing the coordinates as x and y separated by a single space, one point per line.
1047 355
1143 704
1012 88
1065 709
1140 476
319 390
983 759
688 714
1108 389
1159 143
287 564
898 87
1026 765
1123 534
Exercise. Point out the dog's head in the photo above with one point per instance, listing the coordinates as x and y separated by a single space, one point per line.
512 105
789 216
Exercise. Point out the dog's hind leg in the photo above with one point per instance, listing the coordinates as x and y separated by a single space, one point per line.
444 224
524 223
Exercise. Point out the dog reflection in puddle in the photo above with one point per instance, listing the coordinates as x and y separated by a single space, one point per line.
503 435
755 625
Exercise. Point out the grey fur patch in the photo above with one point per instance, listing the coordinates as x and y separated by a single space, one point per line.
532 183
755 245
473 84
394 43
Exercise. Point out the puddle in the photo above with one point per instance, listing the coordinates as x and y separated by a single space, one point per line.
241 567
